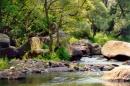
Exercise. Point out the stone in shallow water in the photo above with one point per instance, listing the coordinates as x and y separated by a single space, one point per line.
121 73
12 74
58 69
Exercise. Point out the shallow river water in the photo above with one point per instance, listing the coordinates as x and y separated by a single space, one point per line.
62 79
67 78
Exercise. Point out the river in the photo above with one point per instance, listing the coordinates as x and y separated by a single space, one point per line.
68 78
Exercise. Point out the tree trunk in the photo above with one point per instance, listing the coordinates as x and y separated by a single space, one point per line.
59 26
105 2
48 25
121 8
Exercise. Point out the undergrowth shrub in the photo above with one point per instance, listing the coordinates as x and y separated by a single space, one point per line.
4 63
101 38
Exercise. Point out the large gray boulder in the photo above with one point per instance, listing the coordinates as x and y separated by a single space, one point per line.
116 50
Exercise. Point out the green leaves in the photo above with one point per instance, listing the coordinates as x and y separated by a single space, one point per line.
26 16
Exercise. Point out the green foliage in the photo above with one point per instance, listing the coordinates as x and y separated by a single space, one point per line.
125 38
50 56
3 63
74 17
60 54
45 46
102 38
72 40
82 30
63 54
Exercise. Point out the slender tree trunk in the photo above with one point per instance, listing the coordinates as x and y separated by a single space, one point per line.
58 38
0 12
59 26
48 25
0 15
121 8
105 2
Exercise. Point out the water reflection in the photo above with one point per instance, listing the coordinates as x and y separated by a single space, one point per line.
61 79
117 83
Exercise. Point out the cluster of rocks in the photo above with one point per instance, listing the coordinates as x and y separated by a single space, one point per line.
100 67
83 48
113 49
118 50
21 68
12 73
33 46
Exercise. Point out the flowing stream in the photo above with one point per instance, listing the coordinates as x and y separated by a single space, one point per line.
97 59
68 78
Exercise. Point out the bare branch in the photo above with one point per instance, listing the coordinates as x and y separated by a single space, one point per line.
83 3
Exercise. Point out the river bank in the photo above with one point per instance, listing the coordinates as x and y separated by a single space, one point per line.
20 69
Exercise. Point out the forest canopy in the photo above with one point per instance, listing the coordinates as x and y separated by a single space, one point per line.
78 18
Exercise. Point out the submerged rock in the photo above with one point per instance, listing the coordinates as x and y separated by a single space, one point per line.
121 73
99 67
58 69
118 50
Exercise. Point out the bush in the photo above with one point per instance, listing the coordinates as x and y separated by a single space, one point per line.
3 63
101 38
45 46
124 38
63 54
60 54
73 40
54 56
50 56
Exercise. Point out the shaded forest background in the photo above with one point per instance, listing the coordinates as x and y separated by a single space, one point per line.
96 20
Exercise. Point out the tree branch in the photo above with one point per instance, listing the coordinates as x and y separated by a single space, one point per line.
121 8
53 1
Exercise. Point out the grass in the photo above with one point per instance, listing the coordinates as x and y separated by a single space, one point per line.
3 63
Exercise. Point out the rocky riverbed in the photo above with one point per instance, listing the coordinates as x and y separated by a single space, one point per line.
19 69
